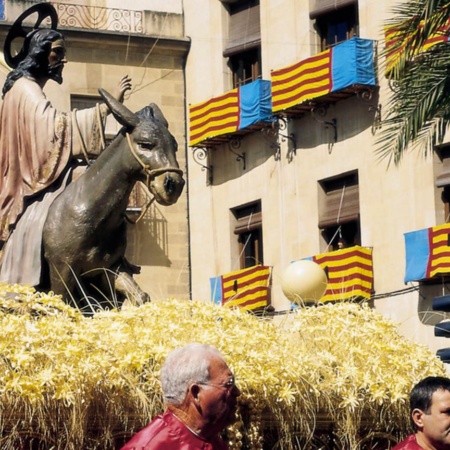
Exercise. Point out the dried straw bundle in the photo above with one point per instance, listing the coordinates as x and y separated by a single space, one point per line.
77 382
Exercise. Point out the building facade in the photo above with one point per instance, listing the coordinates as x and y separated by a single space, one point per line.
283 162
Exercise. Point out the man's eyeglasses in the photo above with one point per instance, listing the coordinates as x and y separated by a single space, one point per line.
228 386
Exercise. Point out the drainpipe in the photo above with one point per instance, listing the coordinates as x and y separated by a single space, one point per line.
186 159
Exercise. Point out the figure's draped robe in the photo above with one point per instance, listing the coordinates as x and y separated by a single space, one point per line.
37 145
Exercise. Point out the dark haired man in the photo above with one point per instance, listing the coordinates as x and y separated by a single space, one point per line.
38 146
430 414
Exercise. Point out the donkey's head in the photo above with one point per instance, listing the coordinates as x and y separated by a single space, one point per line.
153 146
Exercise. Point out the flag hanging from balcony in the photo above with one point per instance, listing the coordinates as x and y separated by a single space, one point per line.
230 112
349 272
247 289
427 253
332 70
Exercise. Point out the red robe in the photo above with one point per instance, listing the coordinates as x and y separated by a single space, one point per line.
166 432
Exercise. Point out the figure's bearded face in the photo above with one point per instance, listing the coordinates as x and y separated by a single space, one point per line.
56 60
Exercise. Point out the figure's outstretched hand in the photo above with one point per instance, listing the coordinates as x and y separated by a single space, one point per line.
123 86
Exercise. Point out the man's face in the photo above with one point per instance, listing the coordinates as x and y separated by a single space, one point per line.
434 427
56 60
219 396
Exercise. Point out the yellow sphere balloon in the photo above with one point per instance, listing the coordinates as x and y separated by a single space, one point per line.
304 281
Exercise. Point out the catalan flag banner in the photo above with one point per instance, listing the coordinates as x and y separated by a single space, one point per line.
230 112
247 289
349 272
332 70
427 253
395 42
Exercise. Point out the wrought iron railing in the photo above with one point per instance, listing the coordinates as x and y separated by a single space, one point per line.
97 18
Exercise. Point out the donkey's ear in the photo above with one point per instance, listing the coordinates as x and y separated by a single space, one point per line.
158 115
121 113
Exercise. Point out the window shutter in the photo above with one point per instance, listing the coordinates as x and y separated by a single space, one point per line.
340 206
318 7
244 31
248 223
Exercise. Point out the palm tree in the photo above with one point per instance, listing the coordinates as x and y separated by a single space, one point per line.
419 105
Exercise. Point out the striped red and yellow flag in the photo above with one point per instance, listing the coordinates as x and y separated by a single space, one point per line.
305 80
216 116
349 271
394 48
247 288
439 258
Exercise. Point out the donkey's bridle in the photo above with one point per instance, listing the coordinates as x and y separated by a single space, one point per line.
151 173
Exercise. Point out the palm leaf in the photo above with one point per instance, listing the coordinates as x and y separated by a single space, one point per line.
415 23
418 109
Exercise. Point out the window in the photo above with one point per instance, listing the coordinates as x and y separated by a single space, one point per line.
339 211
245 67
243 48
248 228
443 179
84 101
335 20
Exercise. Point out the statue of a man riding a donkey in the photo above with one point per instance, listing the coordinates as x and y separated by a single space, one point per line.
59 231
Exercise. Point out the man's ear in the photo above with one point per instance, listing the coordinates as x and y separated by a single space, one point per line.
194 390
417 417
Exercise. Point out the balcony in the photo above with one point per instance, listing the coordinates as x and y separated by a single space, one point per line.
349 272
100 21
97 18
427 253
235 113
328 77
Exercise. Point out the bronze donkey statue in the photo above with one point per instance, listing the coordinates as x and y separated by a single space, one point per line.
84 237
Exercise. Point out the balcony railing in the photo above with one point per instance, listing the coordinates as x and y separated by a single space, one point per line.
97 18
349 272
237 112
427 253
329 76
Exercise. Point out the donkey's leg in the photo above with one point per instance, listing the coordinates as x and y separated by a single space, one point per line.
127 286
62 281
